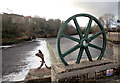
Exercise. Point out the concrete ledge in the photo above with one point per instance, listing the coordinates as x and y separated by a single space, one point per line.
37 76
60 68
83 71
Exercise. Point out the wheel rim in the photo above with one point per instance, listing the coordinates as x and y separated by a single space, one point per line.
83 41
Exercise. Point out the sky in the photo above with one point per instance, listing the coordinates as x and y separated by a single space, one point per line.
61 9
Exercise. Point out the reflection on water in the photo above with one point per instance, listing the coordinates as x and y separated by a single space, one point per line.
17 70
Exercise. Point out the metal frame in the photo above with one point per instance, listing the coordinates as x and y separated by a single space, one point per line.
83 41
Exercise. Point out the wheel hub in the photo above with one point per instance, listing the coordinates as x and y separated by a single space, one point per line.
84 42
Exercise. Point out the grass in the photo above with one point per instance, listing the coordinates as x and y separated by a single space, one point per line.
14 40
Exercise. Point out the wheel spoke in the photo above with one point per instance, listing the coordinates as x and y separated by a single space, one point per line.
80 55
71 38
94 46
78 27
88 28
71 50
94 36
101 55
88 54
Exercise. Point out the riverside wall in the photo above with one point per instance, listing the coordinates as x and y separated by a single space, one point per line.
113 36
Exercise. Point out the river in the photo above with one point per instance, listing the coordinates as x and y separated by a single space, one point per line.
18 59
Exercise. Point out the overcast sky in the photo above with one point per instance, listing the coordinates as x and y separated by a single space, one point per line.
61 9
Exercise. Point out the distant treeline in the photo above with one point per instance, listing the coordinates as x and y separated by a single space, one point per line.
17 27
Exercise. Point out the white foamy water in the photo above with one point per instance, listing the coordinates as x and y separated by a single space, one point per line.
32 62
7 46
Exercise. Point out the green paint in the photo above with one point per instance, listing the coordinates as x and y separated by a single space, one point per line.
83 41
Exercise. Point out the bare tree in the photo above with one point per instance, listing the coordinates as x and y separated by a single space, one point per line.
36 16
107 20
102 21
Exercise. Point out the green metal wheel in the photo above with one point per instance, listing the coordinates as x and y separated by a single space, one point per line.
84 41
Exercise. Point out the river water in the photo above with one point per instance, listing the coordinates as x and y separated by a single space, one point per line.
18 59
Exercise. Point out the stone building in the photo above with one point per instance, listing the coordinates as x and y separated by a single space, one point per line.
13 18
22 24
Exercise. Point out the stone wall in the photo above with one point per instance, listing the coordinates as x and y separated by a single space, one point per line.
87 71
113 36
116 53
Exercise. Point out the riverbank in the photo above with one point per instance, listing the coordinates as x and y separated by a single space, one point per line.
26 38
15 40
